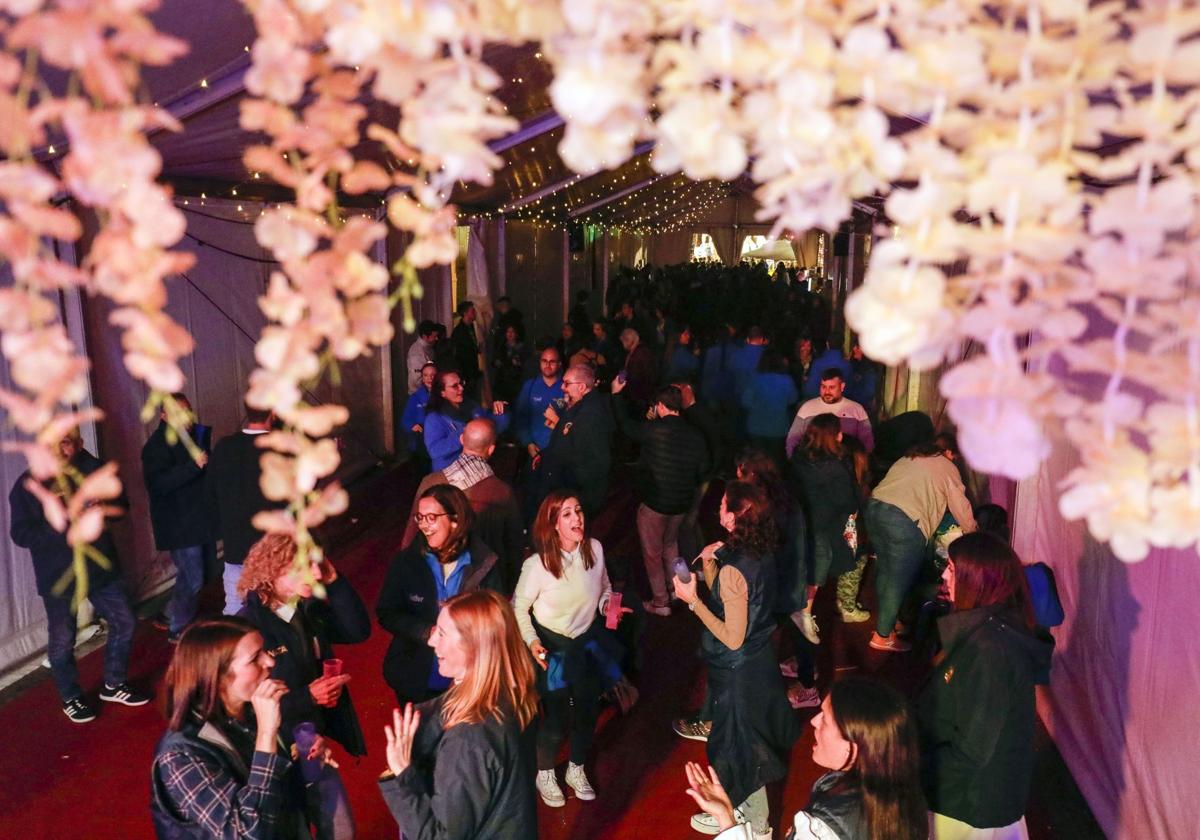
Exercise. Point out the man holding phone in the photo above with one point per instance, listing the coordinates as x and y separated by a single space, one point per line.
579 454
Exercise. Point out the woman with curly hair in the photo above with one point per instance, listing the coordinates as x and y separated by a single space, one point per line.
753 727
301 630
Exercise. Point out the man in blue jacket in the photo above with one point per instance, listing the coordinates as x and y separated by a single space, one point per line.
538 394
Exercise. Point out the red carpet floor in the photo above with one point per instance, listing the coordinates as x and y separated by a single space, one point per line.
64 780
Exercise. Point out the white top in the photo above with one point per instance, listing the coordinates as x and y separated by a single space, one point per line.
565 605
853 416
807 827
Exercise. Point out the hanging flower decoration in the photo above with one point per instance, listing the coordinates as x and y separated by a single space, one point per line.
109 168
313 63
1039 162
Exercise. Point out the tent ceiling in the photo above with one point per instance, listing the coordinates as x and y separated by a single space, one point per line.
205 89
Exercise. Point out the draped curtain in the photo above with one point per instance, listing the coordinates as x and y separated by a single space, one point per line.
724 241
671 248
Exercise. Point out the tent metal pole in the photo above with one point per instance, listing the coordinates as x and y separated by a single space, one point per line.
530 129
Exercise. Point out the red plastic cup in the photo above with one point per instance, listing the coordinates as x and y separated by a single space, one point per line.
613 614
332 667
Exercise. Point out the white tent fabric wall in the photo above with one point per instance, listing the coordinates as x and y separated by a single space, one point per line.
1124 695
217 302
22 617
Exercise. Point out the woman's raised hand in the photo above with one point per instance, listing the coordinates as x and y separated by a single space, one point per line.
400 736
709 794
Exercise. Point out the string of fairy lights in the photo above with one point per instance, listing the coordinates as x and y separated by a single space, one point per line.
647 209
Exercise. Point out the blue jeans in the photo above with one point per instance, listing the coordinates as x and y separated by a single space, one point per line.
328 807
899 554
229 579
189 580
110 602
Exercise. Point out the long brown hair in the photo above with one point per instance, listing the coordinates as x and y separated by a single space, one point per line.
545 533
199 666
821 437
456 505
759 468
754 523
500 675
876 719
988 572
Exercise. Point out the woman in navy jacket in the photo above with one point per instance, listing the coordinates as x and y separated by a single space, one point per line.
443 561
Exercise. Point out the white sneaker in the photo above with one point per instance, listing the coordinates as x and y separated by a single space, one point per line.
769 834
548 787
706 823
579 783
808 627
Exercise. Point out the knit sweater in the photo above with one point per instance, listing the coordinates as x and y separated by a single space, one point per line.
565 605
853 418
924 488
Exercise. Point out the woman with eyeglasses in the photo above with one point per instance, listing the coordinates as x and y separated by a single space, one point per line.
447 414
445 559
866 738
219 770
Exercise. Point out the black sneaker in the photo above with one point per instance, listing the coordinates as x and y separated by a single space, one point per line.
78 710
124 694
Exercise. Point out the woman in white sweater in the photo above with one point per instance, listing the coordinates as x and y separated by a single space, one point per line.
560 602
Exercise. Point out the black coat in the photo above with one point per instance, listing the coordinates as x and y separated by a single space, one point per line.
474 780
579 454
408 609
231 485
52 554
179 511
466 351
674 459
977 714
828 494
341 618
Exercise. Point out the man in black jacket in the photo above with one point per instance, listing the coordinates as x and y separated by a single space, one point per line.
466 348
179 513
52 559
674 463
579 454
232 487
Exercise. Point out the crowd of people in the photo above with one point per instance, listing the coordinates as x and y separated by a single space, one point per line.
508 632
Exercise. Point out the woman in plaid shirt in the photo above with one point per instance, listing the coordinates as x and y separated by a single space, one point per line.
218 771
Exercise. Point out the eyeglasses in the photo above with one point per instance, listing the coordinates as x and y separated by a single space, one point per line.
422 518
568 382
455 385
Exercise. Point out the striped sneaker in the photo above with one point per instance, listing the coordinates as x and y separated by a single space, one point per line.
78 710
124 694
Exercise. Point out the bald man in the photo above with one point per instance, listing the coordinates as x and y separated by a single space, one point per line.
497 514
